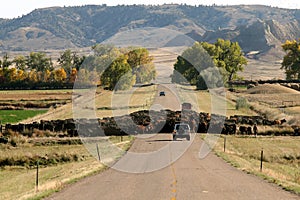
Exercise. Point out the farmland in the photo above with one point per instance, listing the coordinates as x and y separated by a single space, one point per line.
14 116
64 160
19 105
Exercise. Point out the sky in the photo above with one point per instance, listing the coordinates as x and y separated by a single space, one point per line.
17 8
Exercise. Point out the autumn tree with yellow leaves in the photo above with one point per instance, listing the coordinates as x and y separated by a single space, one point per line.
291 61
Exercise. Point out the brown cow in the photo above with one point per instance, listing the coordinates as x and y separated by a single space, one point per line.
279 122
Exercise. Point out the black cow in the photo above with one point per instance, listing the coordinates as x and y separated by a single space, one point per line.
249 130
243 129
4 140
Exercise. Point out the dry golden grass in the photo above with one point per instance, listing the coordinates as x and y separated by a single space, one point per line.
51 178
106 104
212 102
37 95
274 101
109 104
125 102
281 159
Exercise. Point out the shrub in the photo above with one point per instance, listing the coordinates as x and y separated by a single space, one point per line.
242 103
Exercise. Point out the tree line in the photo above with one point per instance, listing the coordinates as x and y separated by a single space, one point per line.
204 64
37 71
108 66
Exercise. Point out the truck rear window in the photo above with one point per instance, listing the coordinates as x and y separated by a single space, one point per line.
183 126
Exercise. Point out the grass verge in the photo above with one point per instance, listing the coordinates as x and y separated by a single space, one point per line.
19 182
281 158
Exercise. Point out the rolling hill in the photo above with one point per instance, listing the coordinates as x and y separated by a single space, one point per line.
259 29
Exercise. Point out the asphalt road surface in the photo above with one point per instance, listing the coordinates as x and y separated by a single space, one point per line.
187 178
157 168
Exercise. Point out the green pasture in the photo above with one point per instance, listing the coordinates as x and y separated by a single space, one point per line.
15 116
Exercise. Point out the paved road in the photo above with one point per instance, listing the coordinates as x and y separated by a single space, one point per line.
162 169
187 178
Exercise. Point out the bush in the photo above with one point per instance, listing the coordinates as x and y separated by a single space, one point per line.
242 103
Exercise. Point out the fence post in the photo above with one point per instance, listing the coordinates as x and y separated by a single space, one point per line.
98 152
37 177
224 143
261 159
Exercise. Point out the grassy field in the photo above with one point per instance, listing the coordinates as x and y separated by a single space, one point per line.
25 104
281 158
208 102
52 177
281 161
106 104
14 116
274 101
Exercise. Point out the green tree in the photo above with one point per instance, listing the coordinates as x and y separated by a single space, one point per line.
5 61
104 56
228 56
39 61
69 60
142 65
66 61
5 64
20 62
190 64
291 61
117 70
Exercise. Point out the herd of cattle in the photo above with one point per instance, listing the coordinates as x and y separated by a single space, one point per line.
147 122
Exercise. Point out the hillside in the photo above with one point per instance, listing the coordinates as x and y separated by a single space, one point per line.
259 29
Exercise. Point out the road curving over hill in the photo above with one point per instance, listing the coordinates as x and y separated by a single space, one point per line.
187 178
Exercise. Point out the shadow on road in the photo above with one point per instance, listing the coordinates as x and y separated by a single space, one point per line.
159 140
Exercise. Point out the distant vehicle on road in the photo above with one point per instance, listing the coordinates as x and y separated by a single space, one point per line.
162 93
182 130
186 106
